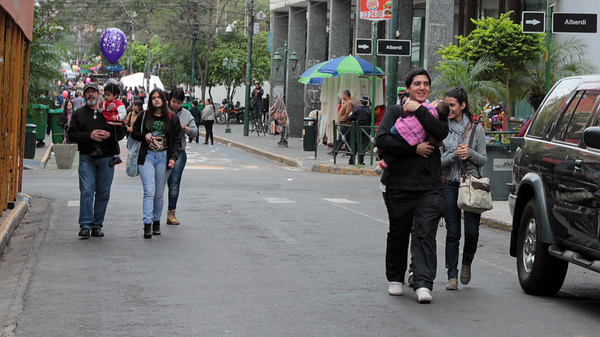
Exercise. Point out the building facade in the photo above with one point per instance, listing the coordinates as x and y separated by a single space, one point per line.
321 30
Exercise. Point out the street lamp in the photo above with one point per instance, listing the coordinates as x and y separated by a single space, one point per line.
293 63
192 80
229 65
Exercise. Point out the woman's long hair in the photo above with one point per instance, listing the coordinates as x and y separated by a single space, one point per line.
461 96
163 109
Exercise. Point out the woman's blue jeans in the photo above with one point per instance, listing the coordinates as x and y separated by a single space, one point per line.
452 215
175 180
154 176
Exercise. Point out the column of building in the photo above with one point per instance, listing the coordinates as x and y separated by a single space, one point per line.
439 26
339 29
295 90
316 51
279 29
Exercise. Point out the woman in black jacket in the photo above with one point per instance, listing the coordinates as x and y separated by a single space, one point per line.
159 132
64 120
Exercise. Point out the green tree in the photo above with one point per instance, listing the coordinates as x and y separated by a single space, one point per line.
474 78
504 40
44 58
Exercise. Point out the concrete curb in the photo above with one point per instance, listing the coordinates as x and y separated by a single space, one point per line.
46 155
491 221
12 221
275 157
321 168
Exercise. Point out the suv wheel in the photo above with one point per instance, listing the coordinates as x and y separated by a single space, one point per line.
539 272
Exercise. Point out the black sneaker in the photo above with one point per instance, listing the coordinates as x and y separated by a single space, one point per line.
84 233
97 232
115 161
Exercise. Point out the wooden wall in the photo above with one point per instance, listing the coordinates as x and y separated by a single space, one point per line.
14 70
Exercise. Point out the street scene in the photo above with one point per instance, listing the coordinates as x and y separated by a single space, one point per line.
271 250
300 168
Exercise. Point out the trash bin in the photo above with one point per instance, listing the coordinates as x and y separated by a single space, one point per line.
187 106
57 134
310 131
498 168
30 139
38 114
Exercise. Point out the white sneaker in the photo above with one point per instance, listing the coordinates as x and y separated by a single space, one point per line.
423 295
395 288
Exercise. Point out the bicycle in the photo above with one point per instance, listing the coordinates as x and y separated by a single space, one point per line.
257 125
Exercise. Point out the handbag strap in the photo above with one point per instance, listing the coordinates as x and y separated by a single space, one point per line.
464 166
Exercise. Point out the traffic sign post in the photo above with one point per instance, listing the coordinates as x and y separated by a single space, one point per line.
393 47
533 22
574 23
364 46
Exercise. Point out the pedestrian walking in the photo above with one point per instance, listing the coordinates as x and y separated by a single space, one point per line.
136 109
64 120
257 100
197 114
87 129
188 127
413 193
161 138
455 154
208 119
345 124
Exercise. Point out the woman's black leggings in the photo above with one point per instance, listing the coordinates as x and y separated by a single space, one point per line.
208 127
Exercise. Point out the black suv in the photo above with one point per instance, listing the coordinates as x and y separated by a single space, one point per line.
555 193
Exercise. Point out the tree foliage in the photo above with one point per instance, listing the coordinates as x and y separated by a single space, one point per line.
504 40
474 78
566 59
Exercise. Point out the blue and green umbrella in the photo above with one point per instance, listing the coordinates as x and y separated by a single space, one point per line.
349 64
313 76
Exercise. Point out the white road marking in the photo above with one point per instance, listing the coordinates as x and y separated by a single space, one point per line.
73 203
279 201
250 166
340 201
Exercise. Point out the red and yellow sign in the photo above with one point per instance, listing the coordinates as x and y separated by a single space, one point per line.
376 9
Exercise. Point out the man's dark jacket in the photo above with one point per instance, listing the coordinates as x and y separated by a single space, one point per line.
82 125
411 171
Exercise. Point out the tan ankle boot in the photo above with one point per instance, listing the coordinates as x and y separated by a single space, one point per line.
171 219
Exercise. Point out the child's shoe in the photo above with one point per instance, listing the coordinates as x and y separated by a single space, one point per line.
115 161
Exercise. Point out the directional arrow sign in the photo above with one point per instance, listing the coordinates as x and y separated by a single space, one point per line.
533 22
364 46
394 47
574 22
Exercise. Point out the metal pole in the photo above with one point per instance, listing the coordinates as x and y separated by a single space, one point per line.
249 68
374 85
228 128
285 50
192 80
131 49
548 39
392 61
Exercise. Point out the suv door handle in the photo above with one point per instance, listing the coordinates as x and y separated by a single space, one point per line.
578 164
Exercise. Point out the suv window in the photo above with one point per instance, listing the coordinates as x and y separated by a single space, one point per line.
573 123
554 103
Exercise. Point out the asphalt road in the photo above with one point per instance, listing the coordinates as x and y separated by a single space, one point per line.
263 250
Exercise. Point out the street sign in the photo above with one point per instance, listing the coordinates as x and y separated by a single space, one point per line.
364 46
533 22
394 47
574 23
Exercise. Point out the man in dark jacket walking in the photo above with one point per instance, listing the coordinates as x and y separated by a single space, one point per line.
413 194
95 175
362 116
257 100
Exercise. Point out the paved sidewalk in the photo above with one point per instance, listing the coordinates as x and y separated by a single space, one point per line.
294 155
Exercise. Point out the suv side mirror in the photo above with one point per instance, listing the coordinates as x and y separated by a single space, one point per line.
591 137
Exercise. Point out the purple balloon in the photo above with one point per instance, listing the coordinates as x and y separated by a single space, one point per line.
113 44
